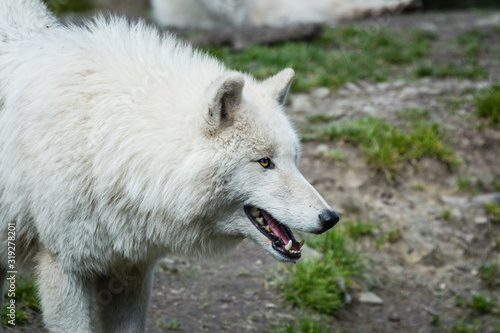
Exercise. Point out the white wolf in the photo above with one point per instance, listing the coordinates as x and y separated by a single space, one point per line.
119 146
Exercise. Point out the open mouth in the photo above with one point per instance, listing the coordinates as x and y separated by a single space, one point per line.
281 236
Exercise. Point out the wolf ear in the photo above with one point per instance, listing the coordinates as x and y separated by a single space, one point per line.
279 84
224 97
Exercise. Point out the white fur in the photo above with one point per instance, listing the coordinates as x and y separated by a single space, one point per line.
276 13
119 146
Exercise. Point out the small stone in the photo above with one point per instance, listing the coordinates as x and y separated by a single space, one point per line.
320 93
322 150
455 201
481 220
301 102
394 316
270 305
369 297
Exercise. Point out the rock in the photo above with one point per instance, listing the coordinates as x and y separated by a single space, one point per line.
370 298
486 198
455 201
479 220
301 102
320 93
470 238
456 214
322 150
488 21
352 86
427 26
394 316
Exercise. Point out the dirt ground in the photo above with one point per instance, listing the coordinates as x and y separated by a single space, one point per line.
418 276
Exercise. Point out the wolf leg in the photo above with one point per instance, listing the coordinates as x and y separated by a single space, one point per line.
121 299
64 295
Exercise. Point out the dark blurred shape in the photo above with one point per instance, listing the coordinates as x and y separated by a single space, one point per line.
459 4
64 6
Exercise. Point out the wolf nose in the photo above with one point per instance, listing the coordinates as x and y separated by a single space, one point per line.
328 219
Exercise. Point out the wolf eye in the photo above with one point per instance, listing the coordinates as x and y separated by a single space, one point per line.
266 163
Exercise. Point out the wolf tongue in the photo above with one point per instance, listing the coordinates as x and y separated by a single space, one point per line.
276 227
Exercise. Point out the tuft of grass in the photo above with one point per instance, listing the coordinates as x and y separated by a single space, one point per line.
358 229
493 210
413 114
387 148
463 326
469 42
481 304
446 214
419 187
26 299
466 184
490 273
319 284
394 235
488 105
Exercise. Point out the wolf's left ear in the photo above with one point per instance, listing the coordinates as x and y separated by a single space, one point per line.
279 84
224 97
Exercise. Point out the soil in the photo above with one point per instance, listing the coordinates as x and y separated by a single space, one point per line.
418 276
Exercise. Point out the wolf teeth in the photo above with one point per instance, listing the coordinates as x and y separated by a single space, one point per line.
288 246
301 243
260 220
267 228
255 212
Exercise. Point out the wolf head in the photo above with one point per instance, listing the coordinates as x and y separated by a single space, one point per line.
257 152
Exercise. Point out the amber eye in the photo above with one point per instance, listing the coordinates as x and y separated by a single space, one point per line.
266 163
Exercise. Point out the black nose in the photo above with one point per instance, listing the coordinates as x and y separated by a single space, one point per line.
328 219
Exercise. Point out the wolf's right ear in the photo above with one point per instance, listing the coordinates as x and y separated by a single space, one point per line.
224 97
279 85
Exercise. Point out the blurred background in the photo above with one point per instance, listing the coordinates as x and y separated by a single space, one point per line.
398 107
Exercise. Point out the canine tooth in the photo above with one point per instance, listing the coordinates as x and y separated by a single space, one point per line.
255 212
288 246
301 243
260 220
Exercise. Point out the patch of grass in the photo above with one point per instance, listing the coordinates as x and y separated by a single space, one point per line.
446 214
338 56
394 235
303 325
358 229
490 273
481 304
495 183
468 70
26 299
435 319
419 187
469 43
319 284
488 105
387 148
64 6
493 210
465 184
413 114
464 326
335 155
